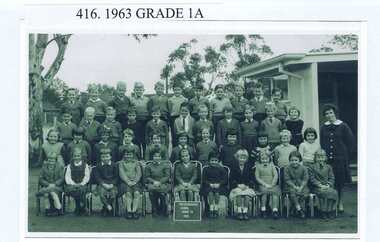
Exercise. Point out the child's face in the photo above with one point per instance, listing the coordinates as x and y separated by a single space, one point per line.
320 157
177 91
239 92
156 115
128 138
294 161
205 134
128 156
110 115
51 160
264 159
94 94
248 114
184 112
263 141
139 91
105 157
105 137
214 161
71 95
159 90
203 112
285 139
242 158
258 92
270 112
156 156
228 114
231 139
66 117
156 139
219 93
131 116
185 156
120 91
198 92
276 96
89 116
182 140
53 137
293 114
77 155
78 137
310 137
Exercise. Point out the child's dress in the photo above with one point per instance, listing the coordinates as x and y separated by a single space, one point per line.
51 175
322 174
214 174
295 127
281 153
242 175
297 176
157 171
187 173
267 173
129 171
56 148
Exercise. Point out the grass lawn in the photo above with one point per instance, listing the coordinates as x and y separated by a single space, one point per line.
346 223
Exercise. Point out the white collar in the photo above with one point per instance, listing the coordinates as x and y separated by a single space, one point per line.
336 122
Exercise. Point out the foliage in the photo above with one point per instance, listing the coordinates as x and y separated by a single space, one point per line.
339 42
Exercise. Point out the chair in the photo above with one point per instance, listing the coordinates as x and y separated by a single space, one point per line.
38 201
309 202
88 202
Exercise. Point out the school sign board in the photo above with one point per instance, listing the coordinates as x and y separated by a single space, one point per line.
187 211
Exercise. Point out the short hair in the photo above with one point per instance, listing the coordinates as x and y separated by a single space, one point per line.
285 132
258 85
228 109
249 107
157 150
270 106
310 131
295 153
213 154
128 132
89 110
199 87
328 107
65 110
241 152
294 108
130 149
131 110
182 151
184 105
183 134
50 131
178 84
237 86
78 131
219 86
262 134
71 89
202 106
275 90
138 85
159 84
105 151
92 87
231 131
121 84
110 109
318 152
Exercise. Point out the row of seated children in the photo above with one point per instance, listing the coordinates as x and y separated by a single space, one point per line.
125 179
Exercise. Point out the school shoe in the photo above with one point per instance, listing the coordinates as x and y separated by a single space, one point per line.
245 216
240 216
216 214
331 214
275 215
136 215
264 214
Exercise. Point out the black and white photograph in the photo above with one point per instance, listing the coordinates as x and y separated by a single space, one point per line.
193 133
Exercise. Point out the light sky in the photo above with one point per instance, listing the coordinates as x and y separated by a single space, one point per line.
111 58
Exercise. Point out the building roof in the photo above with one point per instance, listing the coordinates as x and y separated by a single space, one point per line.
296 58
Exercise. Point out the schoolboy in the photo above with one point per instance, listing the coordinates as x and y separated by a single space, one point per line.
105 143
259 102
239 103
73 105
121 103
155 143
182 144
174 104
197 100
184 123
281 108
132 125
157 125
90 126
218 104
203 123
113 125
205 147
228 122
98 104
127 143
272 126
227 151
249 130
65 129
159 100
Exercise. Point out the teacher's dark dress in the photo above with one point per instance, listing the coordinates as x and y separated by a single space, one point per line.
339 143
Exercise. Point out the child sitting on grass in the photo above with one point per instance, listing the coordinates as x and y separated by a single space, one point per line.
51 181
130 173
215 179
241 180
267 176
296 178
322 180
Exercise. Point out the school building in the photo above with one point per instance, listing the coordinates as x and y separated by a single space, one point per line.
311 80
